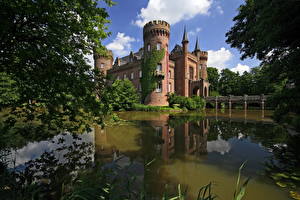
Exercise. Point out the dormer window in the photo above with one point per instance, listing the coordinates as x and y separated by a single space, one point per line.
148 47
158 46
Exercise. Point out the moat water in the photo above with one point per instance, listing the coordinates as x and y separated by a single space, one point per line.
162 150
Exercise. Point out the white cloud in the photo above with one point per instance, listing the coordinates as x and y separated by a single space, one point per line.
198 29
219 145
220 10
172 11
121 45
34 150
219 58
240 68
194 32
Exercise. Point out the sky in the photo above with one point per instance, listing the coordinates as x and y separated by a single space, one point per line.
209 20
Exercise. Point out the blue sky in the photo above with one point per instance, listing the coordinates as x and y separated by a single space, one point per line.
207 19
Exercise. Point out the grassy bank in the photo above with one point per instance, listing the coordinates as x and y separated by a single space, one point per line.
142 107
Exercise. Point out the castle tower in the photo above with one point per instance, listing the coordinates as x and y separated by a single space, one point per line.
197 49
184 71
185 42
203 64
203 73
156 35
103 62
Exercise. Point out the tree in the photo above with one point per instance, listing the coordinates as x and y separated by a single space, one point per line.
43 46
8 91
269 30
121 95
213 78
228 82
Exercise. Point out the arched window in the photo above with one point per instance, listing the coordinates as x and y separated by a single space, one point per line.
132 75
159 87
148 47
170 74
158 67
158 46
170 87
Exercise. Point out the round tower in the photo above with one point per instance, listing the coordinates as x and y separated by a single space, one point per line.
203 62
156 35
103 62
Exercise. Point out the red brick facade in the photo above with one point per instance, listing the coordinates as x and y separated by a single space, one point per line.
183 72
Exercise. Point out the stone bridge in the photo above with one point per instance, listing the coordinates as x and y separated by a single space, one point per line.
260 99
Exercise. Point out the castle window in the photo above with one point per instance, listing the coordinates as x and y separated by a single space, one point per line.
132 75
158 46
159 87
191 71
125 76
169 75
140 74
170 87
158 67
148 47
102 65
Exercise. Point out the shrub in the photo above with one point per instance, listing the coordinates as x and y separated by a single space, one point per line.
121 95
190 103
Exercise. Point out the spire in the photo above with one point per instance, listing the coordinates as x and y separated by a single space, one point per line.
185 38
197 46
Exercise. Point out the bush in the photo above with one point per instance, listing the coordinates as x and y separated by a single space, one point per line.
121 95
190 103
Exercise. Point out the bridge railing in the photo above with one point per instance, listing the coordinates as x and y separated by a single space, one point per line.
238 99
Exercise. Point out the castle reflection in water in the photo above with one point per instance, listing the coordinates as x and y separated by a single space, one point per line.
171 136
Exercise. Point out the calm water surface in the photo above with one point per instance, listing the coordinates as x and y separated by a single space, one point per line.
187 148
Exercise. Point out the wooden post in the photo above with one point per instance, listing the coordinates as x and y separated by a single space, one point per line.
262 106
229 105
229 102
245 101
262 101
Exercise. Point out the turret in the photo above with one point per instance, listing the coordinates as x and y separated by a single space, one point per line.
185 41
156 35
203 63
197 49
103 62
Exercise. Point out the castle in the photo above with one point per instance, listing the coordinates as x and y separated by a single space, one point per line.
182 72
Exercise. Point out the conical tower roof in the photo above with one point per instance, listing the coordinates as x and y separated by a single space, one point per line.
185 37
197 45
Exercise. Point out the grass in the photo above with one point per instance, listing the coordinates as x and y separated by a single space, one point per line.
142 107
